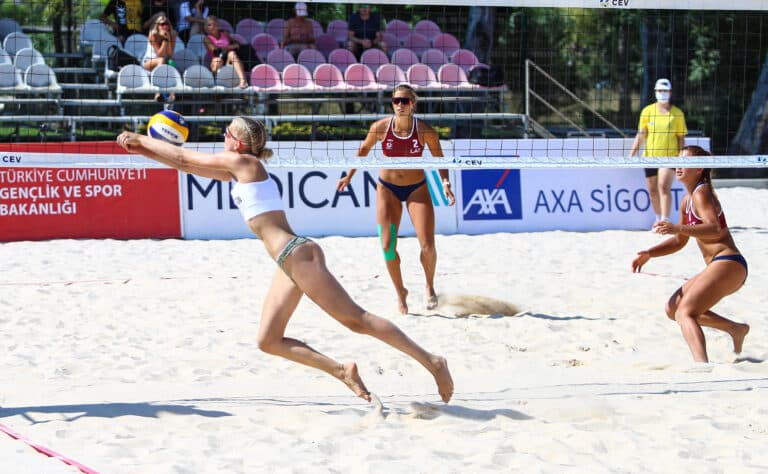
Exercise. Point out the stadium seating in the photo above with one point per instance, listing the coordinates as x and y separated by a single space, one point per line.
360 77
262 44
340 30
317 28
92 32
224 25
342 58
404 58
248 28
196 43
198 77
465 58
184 59
328 76
5 58
453 76
137 44
427 28
26 57
133 78
390 75
326 43
393 43
447 43
298 77
227 78
15 41
399 28
422 76
279 58
239 38
434 58
39 77
10 79
7 26
276 27
265 77
311 58
166 79
373 58
417 43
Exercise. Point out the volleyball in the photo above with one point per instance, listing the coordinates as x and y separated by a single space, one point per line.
169 126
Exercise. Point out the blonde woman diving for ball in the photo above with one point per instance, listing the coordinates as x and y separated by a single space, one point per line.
301 262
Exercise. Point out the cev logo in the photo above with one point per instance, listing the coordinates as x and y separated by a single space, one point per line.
491 195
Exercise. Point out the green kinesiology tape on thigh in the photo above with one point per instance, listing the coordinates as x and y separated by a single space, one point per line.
389 254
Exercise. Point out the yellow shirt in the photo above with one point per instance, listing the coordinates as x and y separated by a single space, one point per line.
663 130
133 14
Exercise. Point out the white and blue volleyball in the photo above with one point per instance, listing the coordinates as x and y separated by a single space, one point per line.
169 126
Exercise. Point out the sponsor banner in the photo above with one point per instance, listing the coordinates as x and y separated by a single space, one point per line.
68 190
313 205
556 199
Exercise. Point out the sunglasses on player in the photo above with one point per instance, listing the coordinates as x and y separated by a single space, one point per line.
401 100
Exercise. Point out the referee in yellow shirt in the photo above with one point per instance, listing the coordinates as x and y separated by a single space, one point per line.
662 128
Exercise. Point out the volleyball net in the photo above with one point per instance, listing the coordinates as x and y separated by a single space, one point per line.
541 84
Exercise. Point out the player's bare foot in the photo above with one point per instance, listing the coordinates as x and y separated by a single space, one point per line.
352 379
443 378
738 334
402 304
431 298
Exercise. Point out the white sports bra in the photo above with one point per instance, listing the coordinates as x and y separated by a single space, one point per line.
257 198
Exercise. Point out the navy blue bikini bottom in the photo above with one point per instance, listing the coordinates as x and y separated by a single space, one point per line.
734 258
402 192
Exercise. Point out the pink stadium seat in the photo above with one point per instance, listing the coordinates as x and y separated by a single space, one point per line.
359 76
297 76
399 28
342 58
428 28
417 43
279 58
239 38
224 25
421 76
393 43
311 58
404 58
373 58
248 28
390 75
340 30
447 43
326 43
265 77
275 28
329 76
317 28
263 43
453 76
434 58
465 58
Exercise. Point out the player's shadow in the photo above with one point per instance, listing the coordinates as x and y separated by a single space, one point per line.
428 411
108 410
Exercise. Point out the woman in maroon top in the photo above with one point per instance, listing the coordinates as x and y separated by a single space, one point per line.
702 218
404 136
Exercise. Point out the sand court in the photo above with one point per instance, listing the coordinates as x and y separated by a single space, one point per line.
140 356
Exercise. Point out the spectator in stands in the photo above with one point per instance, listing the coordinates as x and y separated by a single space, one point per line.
155 8
160 47
126 16
222 49
365 31
662 128
192 15
404 136
299 33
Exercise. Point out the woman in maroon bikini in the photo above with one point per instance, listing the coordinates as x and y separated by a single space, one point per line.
702 218
404 136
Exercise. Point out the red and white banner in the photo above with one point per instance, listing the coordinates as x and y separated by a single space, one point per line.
50 200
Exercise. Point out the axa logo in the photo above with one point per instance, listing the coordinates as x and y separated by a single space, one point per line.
491 194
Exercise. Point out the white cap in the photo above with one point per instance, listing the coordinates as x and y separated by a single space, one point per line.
663 85
301 8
